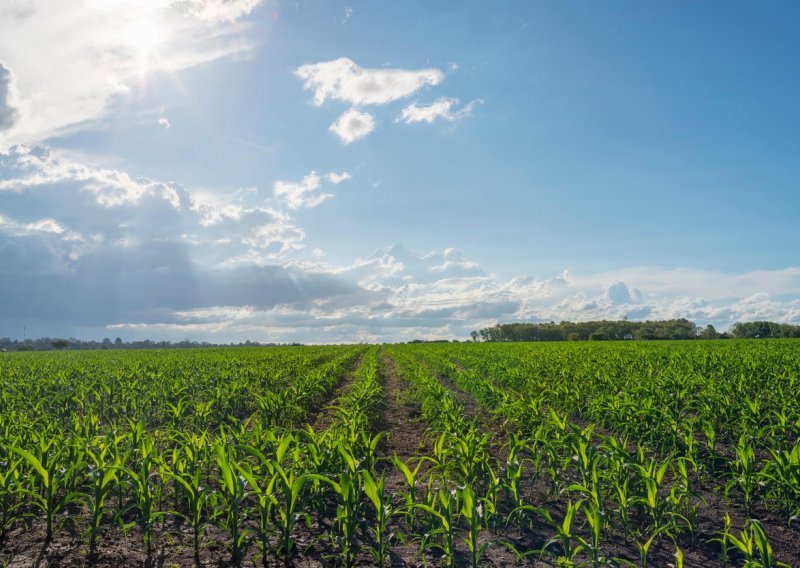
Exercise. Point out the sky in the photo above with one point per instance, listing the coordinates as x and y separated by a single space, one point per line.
325 171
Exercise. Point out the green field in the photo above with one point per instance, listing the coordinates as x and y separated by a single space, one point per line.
571 454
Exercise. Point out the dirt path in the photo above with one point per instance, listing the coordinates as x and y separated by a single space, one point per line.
325 414
402 421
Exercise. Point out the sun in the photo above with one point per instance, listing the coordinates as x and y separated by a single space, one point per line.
144 36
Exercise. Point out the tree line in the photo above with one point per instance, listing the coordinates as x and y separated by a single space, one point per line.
621 330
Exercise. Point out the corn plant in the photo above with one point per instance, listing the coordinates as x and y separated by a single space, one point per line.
259 478
565 536
10 502
752 542
746 476
147 491
784 472
594 518
442 507
472 511
233 492
199 498
514 470
383 510
103 472
411 477
52 474
348 509
288 488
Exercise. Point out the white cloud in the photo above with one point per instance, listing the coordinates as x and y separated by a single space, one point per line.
156 259
441 108
301 194
353 125
46 226
282 235
36 166
221 10
337 178
111 207
164 121
8 112
343 80
73 64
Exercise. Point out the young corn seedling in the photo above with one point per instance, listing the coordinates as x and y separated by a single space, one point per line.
681 496
513 476
492 497
565 537
441 505
472 511
347 490
752 542
711 435
410 476
746 477
625 503
288 490
198 498
233 492
784 472
644 547
264 504
10 502
658 507
147 492
723 541
382 504
51 475
585 456
103 473
594 518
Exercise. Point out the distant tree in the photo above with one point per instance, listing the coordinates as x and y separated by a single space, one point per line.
709 333
474 335
615 331
118 342
59 343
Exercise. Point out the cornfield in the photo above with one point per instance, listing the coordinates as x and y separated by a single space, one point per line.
614 454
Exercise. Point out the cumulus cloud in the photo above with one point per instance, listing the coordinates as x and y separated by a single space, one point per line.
442 108
619 293
36 166
341 79
164 121
337 178
78 64
147 258
8 113
301 194
282 235
353 125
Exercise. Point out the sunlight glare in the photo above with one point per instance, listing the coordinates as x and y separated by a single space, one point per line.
144 36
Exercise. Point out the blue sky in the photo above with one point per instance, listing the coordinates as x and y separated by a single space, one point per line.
344 171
